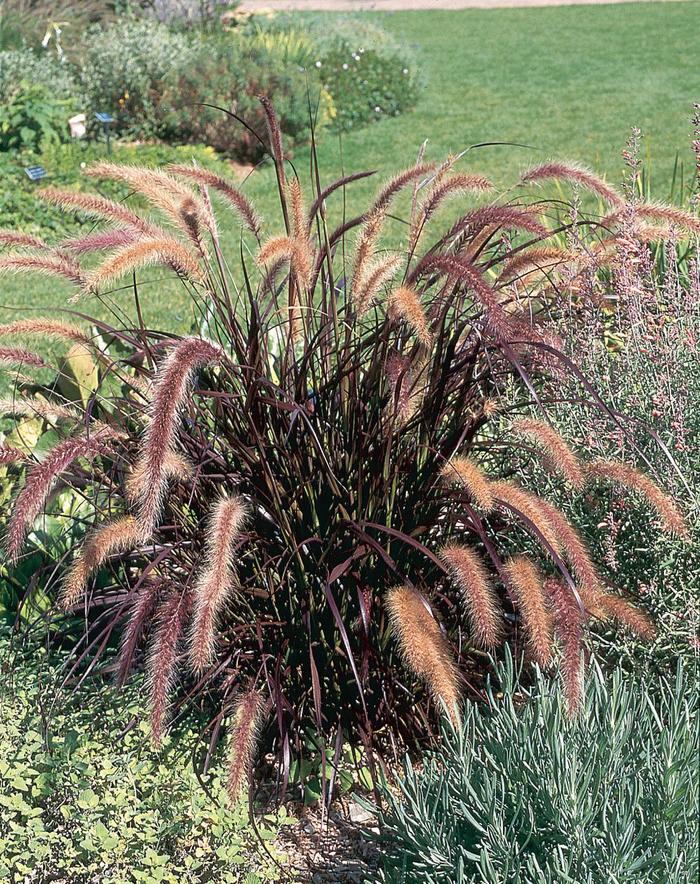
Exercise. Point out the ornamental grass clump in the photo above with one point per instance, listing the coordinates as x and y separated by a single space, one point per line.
304 515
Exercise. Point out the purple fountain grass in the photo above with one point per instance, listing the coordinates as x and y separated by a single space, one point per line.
46 328
16 238
576 173
627 477
169 394
229 191
534 607
48 264
41 479
423 647
558 454
247 719
11 454
161 667
379 436
568 626
482 604
107 540
216 583
20 356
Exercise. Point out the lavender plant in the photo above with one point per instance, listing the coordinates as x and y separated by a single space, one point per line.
304 516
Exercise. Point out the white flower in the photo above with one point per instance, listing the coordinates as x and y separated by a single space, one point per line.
318 64
405 70
345 67
377 109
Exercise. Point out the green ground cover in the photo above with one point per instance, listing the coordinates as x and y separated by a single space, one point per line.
568 81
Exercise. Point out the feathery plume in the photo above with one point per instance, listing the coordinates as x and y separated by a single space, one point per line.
481 602
275 133
98 207
103 240
296 199
379 273
142 609
545 258
51 264
107 540
247 716
145 253
516 217
670 214
365 246
423 646
576 173
10 454
453 185
15 238
40 480
589 583
533 508
175 467
628 615
396 184
20 356
404 303
527 585
171 384
46 328
627 477
232 194
568 625
216 582
296 251
557 452
38 407
161 666
470 475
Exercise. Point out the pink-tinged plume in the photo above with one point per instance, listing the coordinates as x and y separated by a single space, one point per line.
47 328
216 582
169 397
575 173
247 716
568 627
480 600
20 356
161 668
40 480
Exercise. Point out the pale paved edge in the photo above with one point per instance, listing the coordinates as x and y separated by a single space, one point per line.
395 5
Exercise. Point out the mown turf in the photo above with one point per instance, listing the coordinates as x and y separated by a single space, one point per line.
569 81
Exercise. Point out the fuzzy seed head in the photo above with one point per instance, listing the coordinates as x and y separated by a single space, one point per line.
557 452
533 605
423 647
470 476
216 583
247 719
481 602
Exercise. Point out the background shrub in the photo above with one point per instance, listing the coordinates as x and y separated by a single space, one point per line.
365 72
22 66
526 794
125 69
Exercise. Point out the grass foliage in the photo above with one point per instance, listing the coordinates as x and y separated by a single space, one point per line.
523 793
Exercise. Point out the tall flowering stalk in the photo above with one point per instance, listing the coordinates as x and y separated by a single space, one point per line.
310 503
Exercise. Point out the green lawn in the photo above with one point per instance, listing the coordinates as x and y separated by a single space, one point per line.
569 81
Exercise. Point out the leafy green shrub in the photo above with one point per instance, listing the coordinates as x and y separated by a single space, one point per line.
32 116
526 794
21 66
125 68
366 73
83 798
231 73
308 505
